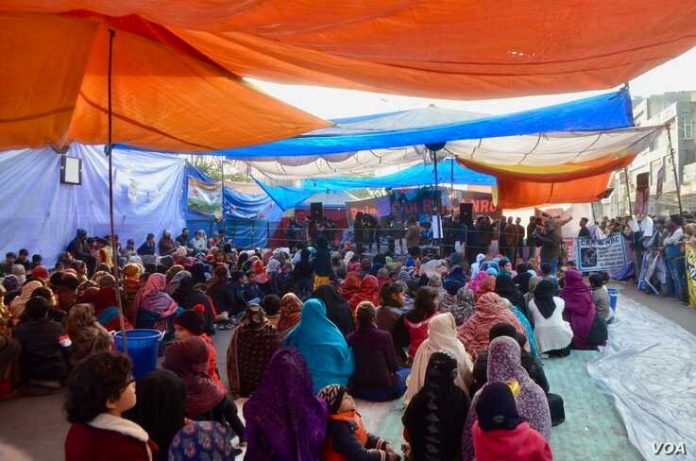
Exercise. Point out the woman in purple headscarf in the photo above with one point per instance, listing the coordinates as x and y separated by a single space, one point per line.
589 329
156 308
505 365
284 419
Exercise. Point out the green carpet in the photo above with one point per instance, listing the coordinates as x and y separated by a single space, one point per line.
593 430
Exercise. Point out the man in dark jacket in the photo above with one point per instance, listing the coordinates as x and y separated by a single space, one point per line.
550 243
79 249
228 293
43 343
149 248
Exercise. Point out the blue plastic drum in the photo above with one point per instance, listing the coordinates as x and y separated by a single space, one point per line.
143 349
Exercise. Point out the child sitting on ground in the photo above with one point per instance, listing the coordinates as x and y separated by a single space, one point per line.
189 324
205 400
346 436
600 296
100 389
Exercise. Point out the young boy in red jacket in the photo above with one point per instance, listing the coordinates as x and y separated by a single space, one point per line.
346 436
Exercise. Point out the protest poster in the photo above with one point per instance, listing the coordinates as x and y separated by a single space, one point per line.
605 254
690 258
204 198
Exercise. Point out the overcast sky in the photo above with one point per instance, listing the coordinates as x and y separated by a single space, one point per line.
678 74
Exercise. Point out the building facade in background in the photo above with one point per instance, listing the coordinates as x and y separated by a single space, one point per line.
651 177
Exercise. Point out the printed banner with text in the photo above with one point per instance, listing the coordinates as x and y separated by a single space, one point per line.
601 255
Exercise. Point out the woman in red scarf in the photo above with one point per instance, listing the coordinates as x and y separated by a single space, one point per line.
350 286
369 291
490 309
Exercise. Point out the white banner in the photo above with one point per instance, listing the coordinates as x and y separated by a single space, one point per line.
601 254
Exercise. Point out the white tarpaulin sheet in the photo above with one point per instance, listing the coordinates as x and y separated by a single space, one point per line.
41 214
547 149
648 368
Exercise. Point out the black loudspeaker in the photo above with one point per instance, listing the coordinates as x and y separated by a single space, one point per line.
466 213
316 211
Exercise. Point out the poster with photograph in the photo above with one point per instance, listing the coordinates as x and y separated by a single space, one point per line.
601 254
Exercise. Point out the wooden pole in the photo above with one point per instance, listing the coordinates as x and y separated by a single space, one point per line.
109 150
628 191
674 167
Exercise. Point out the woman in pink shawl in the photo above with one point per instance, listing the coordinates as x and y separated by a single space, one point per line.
156 309
475 283
589 329
490 309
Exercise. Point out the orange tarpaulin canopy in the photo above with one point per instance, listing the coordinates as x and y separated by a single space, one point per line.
446 48
166 95
522 194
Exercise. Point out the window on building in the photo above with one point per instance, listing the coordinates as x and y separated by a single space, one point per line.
687 119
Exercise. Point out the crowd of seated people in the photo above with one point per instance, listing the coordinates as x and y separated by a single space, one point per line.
312 327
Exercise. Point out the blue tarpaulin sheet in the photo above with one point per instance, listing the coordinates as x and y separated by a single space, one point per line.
250 218
408 128
41 214
449 171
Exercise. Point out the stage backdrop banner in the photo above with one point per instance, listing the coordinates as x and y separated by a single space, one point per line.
691 272
601 255
204 198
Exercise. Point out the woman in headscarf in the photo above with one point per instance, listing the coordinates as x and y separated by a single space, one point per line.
500 433
20 302
434 418
476 267
507 290
321 343
463 307
156 308
449 300
533 282
131 286
475 282
261 277
435 282
321 263
337 310
188 296
205 400
303 273
442 336
87 335
207 440
521 280
350 286
20 272
589 329
490 309
369 291
377 376
12 288
383 277
160 408
290 307
190 323
174 280
553 334
457 273
416 321
486 286
504 365
251 347
284 417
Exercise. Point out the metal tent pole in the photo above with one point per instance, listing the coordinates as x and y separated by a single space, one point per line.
674 167
109 150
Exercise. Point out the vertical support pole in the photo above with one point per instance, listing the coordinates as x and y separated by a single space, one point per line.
628 191
109 150
674 167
